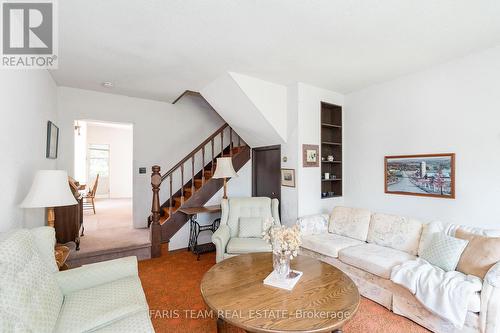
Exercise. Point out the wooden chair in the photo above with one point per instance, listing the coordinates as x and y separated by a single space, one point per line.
89 197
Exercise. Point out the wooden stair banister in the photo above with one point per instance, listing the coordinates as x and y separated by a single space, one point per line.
192 191
188 156
155 229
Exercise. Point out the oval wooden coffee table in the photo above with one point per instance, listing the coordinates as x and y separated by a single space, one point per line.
323 300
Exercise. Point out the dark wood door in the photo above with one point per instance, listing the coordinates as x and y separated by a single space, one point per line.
266 172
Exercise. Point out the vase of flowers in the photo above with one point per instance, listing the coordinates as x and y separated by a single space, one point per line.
285 243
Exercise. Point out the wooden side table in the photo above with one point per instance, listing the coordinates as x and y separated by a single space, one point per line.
61 253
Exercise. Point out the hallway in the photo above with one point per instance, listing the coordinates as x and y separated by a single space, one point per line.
109 233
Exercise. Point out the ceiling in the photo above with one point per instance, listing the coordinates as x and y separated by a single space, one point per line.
156 49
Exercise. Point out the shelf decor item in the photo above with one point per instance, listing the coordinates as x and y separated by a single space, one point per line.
310 155
285 242
288 177
431 175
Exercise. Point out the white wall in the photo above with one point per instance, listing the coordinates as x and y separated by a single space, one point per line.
241 112
28 99
120 141
454 107
163 133
289 151
309 132
269 98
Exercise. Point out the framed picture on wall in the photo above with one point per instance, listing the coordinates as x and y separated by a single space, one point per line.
431 175
288 177
52 140
310 156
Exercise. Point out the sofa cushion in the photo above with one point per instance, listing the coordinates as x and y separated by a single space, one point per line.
30 299
247 245
480 254
397 232
97 307
428 229
313 224
350 222
250 227
444 251
374 258
328 244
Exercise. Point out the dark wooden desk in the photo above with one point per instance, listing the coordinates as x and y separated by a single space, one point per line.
68 223
196 228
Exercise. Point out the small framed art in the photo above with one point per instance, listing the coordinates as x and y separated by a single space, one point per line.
288 177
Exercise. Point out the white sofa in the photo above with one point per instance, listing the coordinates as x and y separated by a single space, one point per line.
36 297
367 246
225 238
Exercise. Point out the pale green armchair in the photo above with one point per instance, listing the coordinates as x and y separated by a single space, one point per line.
36 297
230 239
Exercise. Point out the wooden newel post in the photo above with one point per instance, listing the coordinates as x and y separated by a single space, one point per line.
155 232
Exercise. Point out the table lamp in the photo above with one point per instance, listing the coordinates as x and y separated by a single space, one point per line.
50 189
224 170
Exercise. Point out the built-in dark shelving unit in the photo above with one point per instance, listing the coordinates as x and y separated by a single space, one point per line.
331 145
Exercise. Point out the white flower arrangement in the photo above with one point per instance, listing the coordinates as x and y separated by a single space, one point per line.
285 241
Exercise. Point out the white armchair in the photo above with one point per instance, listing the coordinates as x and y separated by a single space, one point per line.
36 297
226 238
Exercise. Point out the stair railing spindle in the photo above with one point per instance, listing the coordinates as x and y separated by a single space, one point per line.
203 166
182 183
212 166
230 142
192 175
222 144
171 200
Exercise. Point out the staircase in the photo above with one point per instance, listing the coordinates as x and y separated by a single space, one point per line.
194 183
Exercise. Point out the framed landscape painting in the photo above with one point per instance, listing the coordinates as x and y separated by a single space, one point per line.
430 175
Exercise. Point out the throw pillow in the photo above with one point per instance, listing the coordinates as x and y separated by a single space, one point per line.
444 251
480 254
427 231
250 227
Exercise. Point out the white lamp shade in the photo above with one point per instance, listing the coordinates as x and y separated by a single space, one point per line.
50 188
224 168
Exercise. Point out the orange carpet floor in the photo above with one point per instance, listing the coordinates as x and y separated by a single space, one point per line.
172 287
